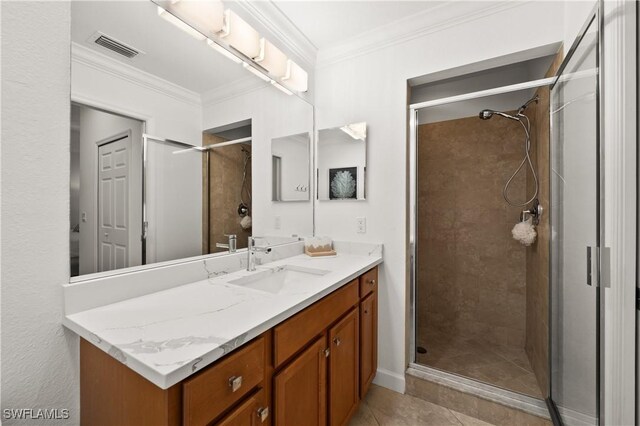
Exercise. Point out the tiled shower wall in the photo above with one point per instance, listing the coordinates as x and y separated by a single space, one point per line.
471 273
537 259
224 183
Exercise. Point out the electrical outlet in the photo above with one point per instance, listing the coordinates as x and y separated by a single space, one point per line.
361 225
277 222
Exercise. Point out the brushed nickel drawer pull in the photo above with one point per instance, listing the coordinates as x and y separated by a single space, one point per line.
263 413
235 382
337 341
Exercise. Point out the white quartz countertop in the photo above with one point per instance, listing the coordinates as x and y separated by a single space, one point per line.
168 335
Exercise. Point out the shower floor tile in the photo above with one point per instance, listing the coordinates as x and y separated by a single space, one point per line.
506 367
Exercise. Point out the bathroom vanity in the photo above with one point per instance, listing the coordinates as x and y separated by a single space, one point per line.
294 342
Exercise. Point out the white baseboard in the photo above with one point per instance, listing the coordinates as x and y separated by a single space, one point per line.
390 380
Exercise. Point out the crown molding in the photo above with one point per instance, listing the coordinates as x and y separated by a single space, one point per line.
232 90
429 21
83 55
286 34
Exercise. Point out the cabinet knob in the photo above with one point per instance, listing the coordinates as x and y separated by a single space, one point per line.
235 382
366 311
326 352
337 341
372 282
263 413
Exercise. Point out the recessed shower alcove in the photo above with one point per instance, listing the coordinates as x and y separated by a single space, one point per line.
481 297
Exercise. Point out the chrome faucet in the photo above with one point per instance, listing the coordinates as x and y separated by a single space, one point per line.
251 252
231 246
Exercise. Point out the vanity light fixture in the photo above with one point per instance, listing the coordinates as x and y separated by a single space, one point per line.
296 78
255 72
221 50
209 16
240 35
357 131
203 14
180 24
281 87
272 59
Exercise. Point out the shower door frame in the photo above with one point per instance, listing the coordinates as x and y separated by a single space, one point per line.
524 402
601 264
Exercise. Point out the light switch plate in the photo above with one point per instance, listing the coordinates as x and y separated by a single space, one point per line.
361 225
277 222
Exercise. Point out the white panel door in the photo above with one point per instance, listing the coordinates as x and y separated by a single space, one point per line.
113 204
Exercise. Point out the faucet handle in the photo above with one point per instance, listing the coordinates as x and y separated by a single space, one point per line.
231 236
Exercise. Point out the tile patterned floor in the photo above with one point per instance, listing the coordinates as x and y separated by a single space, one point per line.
383 407
506 367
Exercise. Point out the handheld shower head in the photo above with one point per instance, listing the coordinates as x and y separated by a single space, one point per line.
524 121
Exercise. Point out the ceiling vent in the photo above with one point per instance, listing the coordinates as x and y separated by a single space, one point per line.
115 46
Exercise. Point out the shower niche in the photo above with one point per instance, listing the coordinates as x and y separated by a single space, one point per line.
481 227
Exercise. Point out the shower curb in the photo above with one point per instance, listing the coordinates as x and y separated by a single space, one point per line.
534 406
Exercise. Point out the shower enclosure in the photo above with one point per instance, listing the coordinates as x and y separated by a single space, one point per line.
494 314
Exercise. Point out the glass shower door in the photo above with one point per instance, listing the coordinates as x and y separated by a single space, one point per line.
575 220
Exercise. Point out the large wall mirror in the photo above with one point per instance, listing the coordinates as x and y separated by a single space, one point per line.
342 162
171 143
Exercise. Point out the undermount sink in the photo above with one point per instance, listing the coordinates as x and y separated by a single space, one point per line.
276 279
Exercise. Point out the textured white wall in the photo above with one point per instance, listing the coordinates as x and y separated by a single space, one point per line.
39 357
373 88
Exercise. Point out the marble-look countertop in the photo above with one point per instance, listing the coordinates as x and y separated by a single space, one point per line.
168 335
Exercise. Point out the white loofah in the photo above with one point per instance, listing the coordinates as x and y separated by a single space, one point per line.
246 222
524 232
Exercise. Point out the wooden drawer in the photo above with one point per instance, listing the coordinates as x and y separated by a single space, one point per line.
293 334
211 392
369 282
252 412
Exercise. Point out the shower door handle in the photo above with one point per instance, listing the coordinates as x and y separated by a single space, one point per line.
589 265
598 266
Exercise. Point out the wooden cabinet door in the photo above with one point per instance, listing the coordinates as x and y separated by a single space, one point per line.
252 412
368 341
300 392
344 373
